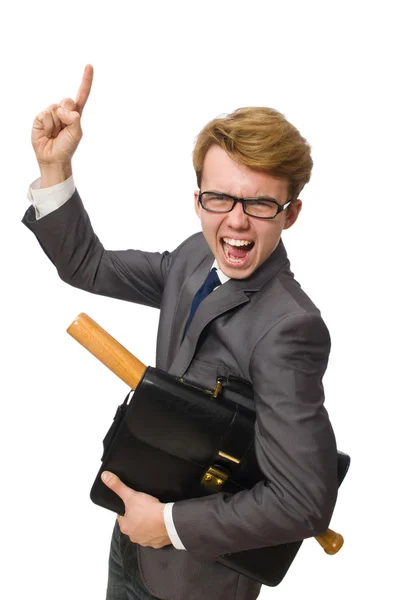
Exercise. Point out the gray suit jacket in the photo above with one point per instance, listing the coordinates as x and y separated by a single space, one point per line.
264 329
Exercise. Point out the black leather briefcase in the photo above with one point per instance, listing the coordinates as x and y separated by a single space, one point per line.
174 440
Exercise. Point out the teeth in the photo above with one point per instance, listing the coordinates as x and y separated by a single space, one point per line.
235 260
231 258
237 242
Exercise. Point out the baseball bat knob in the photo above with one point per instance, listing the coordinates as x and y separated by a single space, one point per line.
330 541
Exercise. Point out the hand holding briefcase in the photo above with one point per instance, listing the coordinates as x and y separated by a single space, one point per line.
174 440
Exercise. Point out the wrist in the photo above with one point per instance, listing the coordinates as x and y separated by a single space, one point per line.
52 174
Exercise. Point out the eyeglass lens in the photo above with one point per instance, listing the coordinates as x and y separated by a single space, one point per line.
222 203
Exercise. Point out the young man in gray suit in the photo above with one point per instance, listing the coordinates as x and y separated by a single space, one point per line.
256 323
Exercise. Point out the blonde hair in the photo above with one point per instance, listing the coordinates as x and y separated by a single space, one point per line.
262 139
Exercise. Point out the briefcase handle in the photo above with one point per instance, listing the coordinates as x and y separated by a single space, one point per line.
131 370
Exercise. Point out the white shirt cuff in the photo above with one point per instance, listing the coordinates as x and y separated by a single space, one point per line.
169 523
46 200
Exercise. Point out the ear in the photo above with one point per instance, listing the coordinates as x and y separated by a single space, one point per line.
197 206
292 213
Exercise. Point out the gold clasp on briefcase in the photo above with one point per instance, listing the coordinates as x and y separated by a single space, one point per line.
217 389
214 479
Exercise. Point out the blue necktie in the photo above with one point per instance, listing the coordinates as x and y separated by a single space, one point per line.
208 286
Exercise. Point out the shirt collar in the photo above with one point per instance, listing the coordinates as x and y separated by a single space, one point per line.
222 277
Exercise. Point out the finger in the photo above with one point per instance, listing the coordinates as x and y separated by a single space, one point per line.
73 121
68 103
116 485
68 117
57 122
85 88
123 526
45 121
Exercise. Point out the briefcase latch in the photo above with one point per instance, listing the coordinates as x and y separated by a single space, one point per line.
218 388
214 479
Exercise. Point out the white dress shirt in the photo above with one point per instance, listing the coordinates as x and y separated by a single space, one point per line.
46 200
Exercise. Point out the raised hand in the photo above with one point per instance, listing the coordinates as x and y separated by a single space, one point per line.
56 131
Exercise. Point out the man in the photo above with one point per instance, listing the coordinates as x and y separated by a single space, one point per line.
256 324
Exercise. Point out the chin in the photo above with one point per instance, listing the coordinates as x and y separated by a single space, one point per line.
238 275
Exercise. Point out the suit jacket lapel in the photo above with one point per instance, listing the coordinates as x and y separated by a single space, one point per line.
187 293
229 295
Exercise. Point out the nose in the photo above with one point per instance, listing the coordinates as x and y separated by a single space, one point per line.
237 219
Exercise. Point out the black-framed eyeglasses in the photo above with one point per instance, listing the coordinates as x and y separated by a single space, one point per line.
261 208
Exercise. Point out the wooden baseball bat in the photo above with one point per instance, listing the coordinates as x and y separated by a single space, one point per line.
128 368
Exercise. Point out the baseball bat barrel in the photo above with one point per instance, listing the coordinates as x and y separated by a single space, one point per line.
106 349
130 370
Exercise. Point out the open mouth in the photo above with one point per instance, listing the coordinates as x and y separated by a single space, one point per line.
236 251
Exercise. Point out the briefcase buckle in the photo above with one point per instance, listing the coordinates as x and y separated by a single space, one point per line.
214 479
218 388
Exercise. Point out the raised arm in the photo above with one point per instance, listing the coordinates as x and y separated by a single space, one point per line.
57 132
66 234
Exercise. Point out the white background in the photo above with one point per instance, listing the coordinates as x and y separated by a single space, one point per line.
163 70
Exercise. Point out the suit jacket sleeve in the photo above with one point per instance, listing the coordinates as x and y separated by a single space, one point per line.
67 237
295 448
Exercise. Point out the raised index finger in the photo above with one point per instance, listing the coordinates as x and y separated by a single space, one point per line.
85 88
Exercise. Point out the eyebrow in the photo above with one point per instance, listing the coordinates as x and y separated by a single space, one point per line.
263 197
